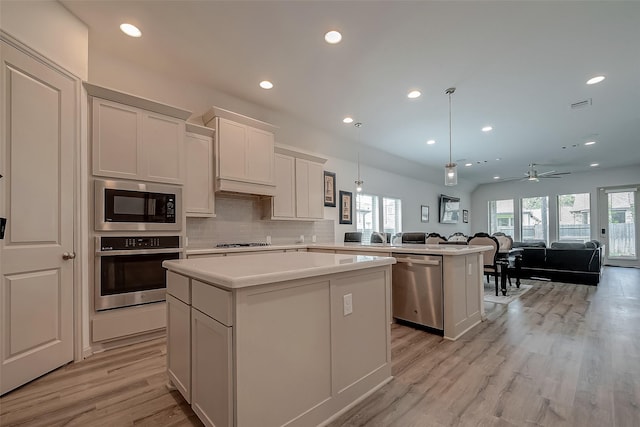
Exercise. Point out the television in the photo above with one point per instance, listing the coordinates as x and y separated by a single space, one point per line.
449 209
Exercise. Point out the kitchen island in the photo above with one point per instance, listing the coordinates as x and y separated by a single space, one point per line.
271 339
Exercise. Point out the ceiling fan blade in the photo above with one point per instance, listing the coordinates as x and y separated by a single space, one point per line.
546 173
549 176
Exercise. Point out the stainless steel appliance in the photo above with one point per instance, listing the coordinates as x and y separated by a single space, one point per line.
137 206
129 269
417 292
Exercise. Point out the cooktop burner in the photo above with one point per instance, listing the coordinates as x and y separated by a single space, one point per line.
240 245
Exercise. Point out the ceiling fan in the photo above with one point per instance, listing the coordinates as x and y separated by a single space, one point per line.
533 175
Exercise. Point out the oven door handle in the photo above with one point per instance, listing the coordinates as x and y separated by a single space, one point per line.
140 252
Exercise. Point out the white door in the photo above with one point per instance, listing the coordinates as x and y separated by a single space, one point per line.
618 225
38 134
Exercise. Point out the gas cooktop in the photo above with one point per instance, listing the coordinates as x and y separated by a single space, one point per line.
240 245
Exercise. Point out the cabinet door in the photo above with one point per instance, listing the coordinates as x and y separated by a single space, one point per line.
162 148
212 388
231 158
316 190
260 148
302 188
179 345
198 191
115 133
309 189
284 199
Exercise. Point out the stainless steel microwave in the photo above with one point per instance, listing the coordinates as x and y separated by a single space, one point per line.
137 206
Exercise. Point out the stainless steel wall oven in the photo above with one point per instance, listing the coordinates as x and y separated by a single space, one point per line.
128 270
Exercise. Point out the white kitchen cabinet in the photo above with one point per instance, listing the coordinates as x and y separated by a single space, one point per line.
136 138
299 185
284 201
179 345
199 200
244 153
212 387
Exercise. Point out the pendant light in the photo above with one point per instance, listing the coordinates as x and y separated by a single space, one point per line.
359 182
450 169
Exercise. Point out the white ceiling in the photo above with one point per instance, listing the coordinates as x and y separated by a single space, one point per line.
516 65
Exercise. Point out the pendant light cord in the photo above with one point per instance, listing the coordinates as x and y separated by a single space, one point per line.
449 92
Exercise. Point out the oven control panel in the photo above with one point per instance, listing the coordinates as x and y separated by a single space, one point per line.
133 243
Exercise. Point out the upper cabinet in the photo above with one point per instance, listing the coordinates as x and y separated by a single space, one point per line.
198 184
136 138
244 153
299 185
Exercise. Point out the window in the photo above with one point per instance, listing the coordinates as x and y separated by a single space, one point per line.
369 211
535 218
501 216
574 217
391 215
367 215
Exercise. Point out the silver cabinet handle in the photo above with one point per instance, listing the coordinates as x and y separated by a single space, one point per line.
418 261
68 255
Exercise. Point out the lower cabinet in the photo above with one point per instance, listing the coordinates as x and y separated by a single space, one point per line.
211 362
179 346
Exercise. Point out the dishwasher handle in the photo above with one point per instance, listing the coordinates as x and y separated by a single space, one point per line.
418 261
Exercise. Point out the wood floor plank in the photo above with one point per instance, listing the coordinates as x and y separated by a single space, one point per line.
560 355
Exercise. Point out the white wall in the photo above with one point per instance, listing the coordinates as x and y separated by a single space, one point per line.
384 174
48 28
587 182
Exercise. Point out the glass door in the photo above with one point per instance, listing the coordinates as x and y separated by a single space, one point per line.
618 225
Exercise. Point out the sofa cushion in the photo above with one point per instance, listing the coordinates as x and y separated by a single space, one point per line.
573 260
530 244
567 245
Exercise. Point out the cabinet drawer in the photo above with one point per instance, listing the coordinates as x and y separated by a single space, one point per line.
212 301
178 286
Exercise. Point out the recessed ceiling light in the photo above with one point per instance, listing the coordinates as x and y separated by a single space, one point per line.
593 165
498 159
347 120
589 143
468 164
496 177
487 128
266 84
431 142
333 37
130 30
594 80
414 94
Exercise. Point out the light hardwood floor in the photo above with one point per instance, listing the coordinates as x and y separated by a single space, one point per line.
561 355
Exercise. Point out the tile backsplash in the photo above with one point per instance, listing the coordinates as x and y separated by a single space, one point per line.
239 220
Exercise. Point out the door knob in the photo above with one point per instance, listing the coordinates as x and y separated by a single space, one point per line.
68 255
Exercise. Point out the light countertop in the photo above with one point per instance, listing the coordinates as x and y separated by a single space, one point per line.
429 249
264 268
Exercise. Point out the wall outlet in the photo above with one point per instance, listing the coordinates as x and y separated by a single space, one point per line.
268 240
301 239
347 304
313 238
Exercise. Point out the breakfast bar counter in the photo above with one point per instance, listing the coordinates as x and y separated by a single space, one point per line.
280 338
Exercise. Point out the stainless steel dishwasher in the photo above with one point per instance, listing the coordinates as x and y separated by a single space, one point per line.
417 292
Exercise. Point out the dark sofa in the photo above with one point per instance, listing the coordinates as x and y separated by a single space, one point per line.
562 261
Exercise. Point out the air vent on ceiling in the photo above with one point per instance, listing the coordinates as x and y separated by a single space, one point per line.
581 104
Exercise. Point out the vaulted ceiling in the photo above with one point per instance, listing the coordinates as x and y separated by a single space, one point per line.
517 66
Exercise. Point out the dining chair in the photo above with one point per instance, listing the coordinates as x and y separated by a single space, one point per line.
458 237
489 257
377 237
353 237
415 237
435 238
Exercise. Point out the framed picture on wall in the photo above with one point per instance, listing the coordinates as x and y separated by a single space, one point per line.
465 216
424 213
330 189
346 207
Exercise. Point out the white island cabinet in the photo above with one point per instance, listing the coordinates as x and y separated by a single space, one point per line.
262 328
